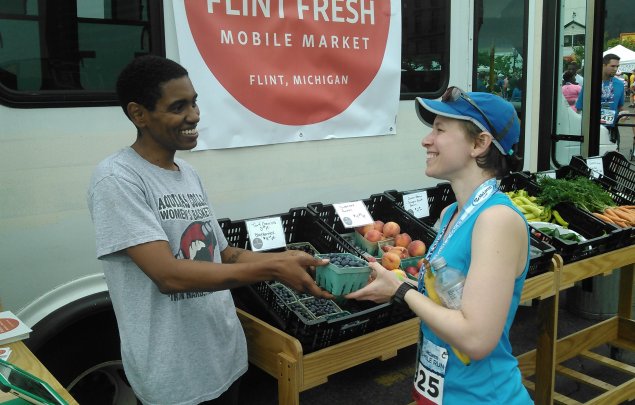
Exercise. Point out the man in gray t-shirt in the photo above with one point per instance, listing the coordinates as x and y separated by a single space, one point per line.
166 261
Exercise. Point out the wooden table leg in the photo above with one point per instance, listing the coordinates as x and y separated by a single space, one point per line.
625 303
546 350
288 380
546 344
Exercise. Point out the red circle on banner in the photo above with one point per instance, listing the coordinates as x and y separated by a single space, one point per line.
292 62
7 324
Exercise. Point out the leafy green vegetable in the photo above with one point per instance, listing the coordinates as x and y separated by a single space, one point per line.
580 191
555 233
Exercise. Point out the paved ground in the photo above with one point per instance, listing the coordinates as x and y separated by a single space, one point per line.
388 382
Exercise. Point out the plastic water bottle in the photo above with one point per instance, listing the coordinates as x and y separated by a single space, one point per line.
448 283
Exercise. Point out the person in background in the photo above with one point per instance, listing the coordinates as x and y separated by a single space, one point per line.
482 235
632 87
612 96
619 75
570 89
481 82
502 84
573 68
167 264
517 92
632 84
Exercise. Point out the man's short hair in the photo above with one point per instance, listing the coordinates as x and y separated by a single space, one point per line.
609 57
140 81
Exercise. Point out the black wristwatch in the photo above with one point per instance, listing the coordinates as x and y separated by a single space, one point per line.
400 294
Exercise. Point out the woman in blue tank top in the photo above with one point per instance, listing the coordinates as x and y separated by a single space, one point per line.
464 354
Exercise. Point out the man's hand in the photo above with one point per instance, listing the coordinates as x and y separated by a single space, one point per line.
296 269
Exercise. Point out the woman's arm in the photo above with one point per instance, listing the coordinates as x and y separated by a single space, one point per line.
499 254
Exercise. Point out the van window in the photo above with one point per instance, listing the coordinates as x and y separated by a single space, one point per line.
67 52
500 37
62 53
425 47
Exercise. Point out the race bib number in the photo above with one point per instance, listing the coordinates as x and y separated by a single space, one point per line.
607 116
429 380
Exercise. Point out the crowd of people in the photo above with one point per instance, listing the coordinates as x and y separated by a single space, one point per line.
507 87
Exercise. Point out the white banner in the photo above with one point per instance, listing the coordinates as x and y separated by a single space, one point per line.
274 71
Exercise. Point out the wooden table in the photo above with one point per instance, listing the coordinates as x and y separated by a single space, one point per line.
22 357
280 354
618 331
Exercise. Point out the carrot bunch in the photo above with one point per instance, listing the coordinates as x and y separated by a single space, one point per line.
622 216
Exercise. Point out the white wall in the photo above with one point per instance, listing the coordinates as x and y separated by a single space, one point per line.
47 157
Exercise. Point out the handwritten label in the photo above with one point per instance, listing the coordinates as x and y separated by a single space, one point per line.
596 166
266 233
353 214
417 204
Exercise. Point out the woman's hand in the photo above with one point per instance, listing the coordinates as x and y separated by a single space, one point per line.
381 287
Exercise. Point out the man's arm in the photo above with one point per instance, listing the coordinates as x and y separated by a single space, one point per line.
244 267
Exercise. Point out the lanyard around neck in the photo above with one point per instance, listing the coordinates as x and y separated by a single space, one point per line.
482 193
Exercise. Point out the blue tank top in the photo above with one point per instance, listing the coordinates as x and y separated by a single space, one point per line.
495 379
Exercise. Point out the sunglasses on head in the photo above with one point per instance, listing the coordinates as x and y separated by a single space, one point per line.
453 93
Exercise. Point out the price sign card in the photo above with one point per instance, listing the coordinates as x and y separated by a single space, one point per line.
353 214
548 173
596 166
266 233
417 204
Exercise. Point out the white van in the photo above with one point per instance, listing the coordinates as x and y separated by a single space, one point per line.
59 117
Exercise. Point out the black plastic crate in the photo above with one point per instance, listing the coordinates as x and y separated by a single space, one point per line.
620 194
442 195
439 197
601 237
299 225
355 318
618 178
380 207
540 258
617 167
348 319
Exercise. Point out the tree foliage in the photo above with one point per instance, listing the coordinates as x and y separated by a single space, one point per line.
627 43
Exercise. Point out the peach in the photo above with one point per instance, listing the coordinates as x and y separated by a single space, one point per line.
373 235
402 239
421 262
400 251
390 261
401 275
363 229
416 248
391 229
379 225
413 271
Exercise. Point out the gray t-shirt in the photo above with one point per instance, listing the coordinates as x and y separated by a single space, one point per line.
177 348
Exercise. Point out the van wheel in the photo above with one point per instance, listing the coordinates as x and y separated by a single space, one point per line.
85 358
106 380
